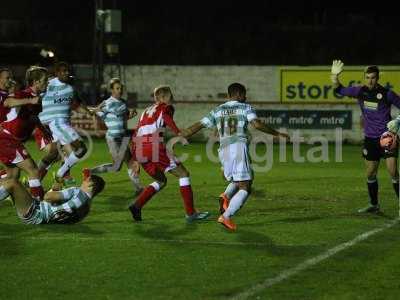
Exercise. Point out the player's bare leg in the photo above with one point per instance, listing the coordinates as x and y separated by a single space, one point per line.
75 151
51 156
133 173
236 202
187 194
391 164
20 196
147 193
29 166
372 183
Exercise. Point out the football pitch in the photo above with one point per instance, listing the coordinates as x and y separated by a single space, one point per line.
298 237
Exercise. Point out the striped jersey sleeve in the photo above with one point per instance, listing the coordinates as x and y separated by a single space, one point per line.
209 120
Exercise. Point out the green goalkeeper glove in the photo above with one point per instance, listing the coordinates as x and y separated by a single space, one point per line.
393 125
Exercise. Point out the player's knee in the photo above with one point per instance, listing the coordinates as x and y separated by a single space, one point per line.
158 185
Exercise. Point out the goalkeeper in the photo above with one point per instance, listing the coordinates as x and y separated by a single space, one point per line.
375 102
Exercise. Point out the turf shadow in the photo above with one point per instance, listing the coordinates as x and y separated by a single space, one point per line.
258 241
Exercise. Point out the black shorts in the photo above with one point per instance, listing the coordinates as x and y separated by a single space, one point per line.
373 151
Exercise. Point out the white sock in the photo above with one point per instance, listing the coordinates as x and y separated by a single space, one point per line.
231 190
3 193
34 183
71 160
135 180
236 203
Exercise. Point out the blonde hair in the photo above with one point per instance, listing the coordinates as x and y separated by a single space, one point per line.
161 91
113 81
35 73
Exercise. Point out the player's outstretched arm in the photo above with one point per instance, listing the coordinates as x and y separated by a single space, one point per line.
196 127
257 124
14 102
336 69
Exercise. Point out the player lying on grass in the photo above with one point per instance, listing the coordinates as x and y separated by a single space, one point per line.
149 149
232 119
115 115
375 102
67 206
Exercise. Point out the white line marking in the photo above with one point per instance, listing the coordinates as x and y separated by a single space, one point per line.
310 262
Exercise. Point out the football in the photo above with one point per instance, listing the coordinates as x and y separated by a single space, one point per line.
388 140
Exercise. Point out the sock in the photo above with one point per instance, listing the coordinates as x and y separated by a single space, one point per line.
3 174
187 195
101 169
231 190
3 193
372 183
395 181
236 203
135 180
71 160
147 193
36 189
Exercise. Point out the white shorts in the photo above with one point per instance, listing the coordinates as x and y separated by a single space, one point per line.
63 132
236 162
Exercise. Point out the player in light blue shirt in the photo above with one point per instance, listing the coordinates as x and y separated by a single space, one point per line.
67 206
115 115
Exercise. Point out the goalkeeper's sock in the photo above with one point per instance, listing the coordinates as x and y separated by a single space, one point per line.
373 190
236 203
395 181
3 193
231 190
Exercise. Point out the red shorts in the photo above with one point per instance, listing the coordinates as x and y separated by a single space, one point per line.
12 151
153 161
40 139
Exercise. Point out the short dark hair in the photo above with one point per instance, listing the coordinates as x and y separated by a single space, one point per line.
34 73
372 69
113 81
99 184
59 65
236 89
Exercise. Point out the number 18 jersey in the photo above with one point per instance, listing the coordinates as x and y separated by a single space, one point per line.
231 119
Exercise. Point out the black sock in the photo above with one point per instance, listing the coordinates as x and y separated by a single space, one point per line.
373 192
396 188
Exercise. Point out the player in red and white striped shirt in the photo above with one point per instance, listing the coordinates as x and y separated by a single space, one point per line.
21 120
150 151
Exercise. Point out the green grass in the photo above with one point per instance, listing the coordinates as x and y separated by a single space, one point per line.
296 212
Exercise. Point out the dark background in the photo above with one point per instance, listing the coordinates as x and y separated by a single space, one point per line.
204 33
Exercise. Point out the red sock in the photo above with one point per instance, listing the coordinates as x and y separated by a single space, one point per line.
145 196
37 192
187 195
3 173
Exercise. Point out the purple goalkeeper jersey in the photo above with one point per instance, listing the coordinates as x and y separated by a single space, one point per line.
375 106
